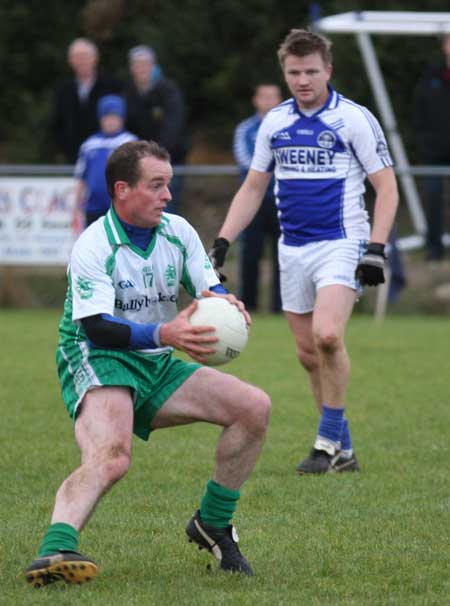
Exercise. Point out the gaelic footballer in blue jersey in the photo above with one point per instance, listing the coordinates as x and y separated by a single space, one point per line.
117 372
321 147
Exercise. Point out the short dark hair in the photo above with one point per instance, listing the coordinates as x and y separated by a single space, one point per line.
302 42
123 163
263 83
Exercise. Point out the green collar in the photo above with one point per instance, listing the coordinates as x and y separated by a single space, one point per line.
117 236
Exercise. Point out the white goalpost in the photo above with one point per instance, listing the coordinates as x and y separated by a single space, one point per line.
362 24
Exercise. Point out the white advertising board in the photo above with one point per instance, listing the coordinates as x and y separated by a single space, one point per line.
36 220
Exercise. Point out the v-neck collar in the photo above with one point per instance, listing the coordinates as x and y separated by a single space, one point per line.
117 236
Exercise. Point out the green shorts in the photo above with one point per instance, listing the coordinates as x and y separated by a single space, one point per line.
153 378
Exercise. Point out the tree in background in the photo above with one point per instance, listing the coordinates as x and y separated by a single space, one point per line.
215 50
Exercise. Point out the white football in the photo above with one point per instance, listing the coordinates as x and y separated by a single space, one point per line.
230 325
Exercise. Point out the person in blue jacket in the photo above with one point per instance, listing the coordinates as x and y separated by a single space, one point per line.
91 195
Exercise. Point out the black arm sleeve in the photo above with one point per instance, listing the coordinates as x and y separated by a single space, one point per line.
106 333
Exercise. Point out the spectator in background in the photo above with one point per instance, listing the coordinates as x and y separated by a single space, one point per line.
156 112
74 116
91 195
432 127
265 223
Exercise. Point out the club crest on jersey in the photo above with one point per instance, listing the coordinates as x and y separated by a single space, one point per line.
326 139
84 287
382 148
147 274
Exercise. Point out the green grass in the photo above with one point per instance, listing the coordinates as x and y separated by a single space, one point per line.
375 538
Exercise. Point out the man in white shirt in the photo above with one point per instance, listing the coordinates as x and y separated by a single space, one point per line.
321 147
116 369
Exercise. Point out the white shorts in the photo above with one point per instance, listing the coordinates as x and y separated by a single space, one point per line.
306 269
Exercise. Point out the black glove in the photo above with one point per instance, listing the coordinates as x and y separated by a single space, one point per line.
370 267
217 255
218 252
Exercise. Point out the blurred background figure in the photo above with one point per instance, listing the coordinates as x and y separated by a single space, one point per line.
265 226
91 195
74 116
432 127
156 111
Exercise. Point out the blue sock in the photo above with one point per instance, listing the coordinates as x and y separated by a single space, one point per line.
330 429
346 439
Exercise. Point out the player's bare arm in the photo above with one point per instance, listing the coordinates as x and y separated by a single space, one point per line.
386 203
245 204
243 209
80 196
370 269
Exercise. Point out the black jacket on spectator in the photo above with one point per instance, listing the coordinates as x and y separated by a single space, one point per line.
159 114
432 114
73 121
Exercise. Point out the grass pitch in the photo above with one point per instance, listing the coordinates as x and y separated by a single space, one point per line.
374 538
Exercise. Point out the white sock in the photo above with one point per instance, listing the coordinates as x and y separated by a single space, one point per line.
346 454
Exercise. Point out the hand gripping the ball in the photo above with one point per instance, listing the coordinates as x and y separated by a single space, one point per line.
217 255
370 270
228 318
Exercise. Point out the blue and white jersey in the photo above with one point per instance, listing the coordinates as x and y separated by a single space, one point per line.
320 164
91 164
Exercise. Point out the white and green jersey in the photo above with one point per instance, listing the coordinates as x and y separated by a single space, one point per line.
110 275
